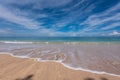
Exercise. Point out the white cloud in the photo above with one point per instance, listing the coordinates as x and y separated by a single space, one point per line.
114 33
7 15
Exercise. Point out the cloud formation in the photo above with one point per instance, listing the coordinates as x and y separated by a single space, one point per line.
111 15
23 21
60 17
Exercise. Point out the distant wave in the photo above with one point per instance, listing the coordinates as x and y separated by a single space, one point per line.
32 42
16 42
37 42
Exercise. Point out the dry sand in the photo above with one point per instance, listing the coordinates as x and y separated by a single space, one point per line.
12 68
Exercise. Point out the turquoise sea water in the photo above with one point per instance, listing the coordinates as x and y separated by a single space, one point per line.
62 39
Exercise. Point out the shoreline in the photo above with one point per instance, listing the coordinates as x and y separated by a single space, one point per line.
58 42
65 65
13 68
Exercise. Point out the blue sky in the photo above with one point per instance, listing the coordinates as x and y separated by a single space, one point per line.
59 18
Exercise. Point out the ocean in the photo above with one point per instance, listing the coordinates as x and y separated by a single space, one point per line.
62 39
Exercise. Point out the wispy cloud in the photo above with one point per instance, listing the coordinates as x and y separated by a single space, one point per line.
7 15
100 19
74 15
94 20
41 4
4 32
58 17
38 4
111 26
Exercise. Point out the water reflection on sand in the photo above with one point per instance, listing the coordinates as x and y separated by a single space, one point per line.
92 56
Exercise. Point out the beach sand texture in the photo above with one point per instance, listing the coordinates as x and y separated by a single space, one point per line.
101 57
12 68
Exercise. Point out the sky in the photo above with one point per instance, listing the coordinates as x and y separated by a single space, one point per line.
59 18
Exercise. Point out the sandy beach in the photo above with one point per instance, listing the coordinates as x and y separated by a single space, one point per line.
100 57
12 68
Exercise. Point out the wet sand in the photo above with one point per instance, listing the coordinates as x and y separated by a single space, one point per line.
12 68
100 57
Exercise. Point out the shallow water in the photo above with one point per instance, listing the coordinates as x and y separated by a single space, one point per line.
102 57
